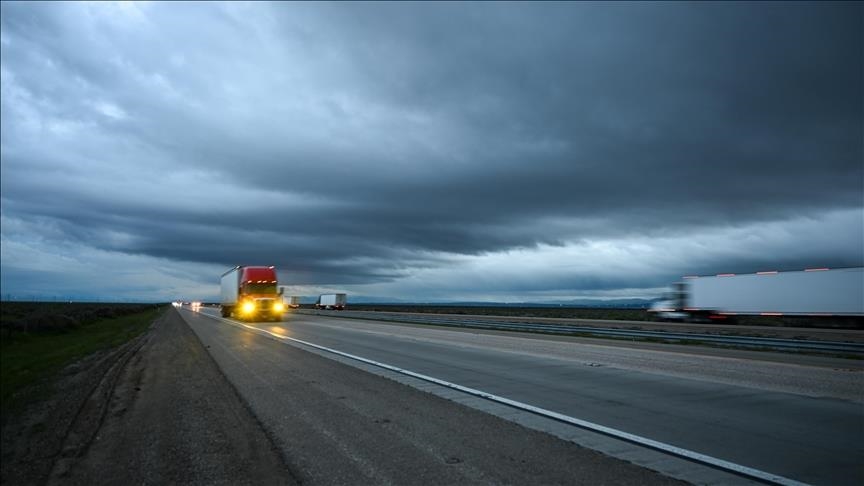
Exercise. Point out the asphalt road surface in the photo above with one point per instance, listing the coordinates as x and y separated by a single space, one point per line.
336 424
282 415
799 417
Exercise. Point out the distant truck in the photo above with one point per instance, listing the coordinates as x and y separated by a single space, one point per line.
251 293
813 292
331 301
291 301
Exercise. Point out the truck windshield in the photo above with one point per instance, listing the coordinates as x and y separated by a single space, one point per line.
261 288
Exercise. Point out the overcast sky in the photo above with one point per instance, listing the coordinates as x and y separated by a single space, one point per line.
426 151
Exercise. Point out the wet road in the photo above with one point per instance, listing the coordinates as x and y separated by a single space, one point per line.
799 421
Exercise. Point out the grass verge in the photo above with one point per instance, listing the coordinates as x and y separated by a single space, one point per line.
28 358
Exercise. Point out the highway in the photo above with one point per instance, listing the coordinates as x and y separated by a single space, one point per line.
721 336
800 418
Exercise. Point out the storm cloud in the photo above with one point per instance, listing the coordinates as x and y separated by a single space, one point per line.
492 151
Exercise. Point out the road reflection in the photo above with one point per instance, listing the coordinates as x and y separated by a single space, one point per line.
280 331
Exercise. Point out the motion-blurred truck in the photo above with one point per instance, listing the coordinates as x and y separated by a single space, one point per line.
819 292
331 301
251 293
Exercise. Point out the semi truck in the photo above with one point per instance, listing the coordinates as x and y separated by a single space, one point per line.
251 293
331 301
820 292
291 301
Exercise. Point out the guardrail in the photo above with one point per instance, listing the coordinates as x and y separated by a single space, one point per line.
798 345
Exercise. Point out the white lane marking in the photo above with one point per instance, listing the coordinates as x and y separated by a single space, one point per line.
619 434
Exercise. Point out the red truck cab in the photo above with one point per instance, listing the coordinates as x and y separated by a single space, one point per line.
252 293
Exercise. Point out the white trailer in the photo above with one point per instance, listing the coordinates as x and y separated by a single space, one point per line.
331 301
812 292
289 301
292 301
229 286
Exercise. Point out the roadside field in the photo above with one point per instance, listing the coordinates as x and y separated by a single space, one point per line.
38 339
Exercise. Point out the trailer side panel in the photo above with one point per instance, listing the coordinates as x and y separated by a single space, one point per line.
835 292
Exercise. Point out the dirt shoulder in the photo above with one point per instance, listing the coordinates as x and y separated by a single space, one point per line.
34 436
173 418
155 411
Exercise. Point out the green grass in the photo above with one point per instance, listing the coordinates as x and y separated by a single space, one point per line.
28 357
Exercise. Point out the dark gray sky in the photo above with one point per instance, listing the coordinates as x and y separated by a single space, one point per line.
431 151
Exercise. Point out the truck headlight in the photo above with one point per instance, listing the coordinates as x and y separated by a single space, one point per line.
248 307
278 307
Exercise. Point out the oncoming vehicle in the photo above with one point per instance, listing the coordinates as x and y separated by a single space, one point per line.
251 293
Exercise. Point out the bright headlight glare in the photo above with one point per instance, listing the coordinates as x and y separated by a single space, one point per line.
248 306
278 307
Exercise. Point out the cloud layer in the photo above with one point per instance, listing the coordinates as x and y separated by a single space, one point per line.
443 148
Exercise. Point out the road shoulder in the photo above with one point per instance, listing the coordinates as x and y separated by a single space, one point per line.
172 418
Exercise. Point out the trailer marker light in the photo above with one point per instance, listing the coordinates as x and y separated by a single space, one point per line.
772 272
725 274
816 269
770 313
690 276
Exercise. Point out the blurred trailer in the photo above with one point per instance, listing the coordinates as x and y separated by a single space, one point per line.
812 292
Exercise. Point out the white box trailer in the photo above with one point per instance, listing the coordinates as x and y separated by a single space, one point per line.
229 286
331 301
292 301
812 292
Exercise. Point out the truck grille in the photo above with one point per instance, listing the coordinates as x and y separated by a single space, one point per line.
265 304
